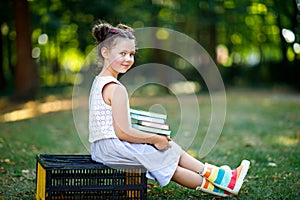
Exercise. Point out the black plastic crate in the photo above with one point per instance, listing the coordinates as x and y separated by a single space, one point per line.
79 177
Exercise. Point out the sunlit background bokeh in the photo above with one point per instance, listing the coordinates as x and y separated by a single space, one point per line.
254 43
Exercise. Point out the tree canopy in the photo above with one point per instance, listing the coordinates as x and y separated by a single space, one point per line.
253 42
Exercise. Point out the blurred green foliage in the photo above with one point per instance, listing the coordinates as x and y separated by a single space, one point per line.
253 42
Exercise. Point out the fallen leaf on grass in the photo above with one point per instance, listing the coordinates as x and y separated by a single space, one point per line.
2 170
253 177
8 161
275 178
248 145
29 175
150 185
24 173
271 164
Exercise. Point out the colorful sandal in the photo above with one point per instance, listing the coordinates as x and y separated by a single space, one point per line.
229 180
209 188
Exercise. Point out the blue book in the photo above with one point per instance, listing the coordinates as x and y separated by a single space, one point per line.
146 118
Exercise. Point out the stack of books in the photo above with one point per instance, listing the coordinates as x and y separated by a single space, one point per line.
150 122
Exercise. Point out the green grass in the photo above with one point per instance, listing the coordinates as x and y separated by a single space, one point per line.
261 126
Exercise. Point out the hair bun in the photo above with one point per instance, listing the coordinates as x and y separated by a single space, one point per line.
100 31
124 27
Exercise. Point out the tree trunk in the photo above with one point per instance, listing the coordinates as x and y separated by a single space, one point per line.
2 77
26 81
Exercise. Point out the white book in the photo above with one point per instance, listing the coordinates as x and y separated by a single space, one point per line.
154 125
148 114
152 130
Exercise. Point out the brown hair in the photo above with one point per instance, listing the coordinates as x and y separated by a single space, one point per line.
106 33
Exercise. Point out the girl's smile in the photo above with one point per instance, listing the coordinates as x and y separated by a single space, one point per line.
120 58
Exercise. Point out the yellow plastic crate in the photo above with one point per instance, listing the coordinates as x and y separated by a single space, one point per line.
79 177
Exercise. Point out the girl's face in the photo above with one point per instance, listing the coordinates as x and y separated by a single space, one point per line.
120 57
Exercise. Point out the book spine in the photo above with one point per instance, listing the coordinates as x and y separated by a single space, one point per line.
146 118
154 125
149 114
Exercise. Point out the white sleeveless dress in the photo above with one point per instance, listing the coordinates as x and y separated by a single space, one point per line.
109 150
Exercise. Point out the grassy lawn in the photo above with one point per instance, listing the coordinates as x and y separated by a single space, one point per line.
261 126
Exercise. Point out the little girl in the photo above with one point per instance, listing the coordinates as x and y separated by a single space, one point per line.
114 141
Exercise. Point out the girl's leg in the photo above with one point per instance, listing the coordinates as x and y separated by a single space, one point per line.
187 178
229 180
188 162
226 179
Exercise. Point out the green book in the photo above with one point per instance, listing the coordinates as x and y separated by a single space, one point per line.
152 130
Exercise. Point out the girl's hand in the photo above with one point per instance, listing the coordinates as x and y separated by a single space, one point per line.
161 142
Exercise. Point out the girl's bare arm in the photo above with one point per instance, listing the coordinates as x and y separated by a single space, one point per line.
116 96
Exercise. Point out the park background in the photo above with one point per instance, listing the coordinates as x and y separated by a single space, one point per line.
255 44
